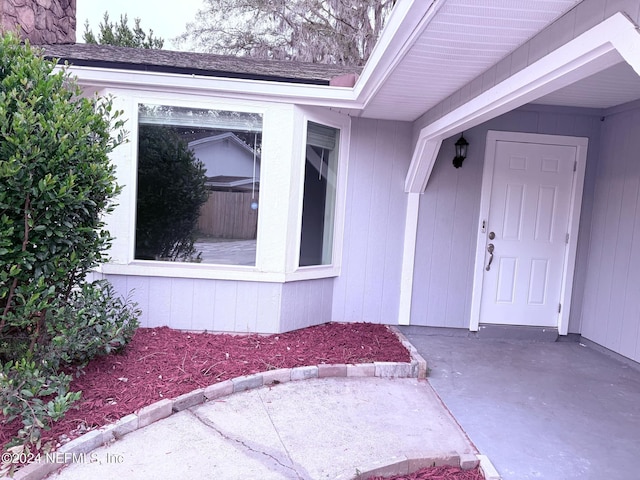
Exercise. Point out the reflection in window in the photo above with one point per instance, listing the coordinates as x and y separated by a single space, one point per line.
318 204
198 185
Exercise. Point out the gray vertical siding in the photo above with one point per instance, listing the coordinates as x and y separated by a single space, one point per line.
228 306
611 303
196 304
449 210
368 288
306 303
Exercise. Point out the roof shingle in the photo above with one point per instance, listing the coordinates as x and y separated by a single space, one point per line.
191 63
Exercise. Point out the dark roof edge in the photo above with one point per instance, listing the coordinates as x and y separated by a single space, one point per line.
184 71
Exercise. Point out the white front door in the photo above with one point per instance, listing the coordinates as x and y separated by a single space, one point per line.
525 232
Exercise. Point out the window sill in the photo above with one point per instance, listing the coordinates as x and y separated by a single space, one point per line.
216 272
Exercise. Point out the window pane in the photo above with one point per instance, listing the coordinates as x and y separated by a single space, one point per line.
198 185
318 204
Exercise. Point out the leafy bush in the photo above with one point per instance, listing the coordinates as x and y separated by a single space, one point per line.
36 396
94 322
56 184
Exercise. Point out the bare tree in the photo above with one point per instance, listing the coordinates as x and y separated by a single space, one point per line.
321 31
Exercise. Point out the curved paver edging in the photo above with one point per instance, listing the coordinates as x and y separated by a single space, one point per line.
84 444
406 465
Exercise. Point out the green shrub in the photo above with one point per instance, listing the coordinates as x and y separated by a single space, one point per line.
93 322
56 184
35 395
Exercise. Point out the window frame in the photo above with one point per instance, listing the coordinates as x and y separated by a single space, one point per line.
342 123
284 130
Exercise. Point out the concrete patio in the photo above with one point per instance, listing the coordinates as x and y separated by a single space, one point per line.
551 410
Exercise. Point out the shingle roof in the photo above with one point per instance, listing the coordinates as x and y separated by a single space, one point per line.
196 63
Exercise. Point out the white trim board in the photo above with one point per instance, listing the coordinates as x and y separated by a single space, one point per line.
580 144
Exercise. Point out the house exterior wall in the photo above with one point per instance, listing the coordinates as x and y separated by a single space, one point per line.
42 22
306 303
368 287
225 305
611 301
449 209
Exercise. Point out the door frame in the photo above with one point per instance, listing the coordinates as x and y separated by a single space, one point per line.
580 143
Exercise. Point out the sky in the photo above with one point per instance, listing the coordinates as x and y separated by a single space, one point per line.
166 18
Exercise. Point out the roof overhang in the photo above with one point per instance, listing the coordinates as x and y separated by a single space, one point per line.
615 39
387 86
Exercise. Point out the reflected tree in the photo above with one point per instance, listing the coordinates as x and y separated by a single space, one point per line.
171 190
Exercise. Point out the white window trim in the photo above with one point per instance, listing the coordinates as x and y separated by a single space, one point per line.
343 124
279 224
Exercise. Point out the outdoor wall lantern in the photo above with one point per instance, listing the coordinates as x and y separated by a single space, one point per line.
461 151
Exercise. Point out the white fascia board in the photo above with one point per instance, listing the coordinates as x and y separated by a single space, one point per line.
408 20
319 95
598 48
406 23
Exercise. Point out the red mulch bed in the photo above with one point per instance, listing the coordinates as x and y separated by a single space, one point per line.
164 363
438 473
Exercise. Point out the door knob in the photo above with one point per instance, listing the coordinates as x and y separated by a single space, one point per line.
492 235
490 248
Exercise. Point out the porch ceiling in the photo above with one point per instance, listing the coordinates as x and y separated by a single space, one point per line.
461 41
614 86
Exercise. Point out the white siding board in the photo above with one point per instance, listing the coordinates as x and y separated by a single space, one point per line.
588 14
224 307
596 248
246 314
475 89
368 286
547 123
565 125
159 306
355 245
623 249
306 303
181 302
455 100
614 6
611 302
584 124
519 58
269 301
539 46
138 289
395 236
203 305
503 69
561 31
630 335
611 226
378 216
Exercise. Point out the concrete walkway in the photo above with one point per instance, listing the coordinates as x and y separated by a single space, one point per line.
328 428
538 410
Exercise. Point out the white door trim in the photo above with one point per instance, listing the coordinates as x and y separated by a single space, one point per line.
574 217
